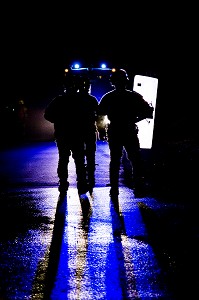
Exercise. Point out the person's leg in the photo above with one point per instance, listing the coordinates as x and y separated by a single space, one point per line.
114 166
79 159
90 162
132 148
62 168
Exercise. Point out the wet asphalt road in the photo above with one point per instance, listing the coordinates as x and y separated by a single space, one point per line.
144 248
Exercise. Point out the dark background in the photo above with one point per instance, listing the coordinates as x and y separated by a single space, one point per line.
39 40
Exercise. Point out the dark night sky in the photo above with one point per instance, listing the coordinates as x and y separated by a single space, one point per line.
39 40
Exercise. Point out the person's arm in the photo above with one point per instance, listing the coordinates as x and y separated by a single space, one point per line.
145 110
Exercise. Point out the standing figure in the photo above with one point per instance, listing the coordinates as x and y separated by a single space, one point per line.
124 108
65 111
88 127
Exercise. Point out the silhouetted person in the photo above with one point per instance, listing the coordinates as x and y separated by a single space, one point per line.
88 128
65 111
124 108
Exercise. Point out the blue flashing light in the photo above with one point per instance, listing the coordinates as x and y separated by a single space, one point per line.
103 66
76 66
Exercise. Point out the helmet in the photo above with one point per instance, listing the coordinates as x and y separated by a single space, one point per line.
119 76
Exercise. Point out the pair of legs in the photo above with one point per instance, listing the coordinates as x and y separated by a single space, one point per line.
131 144
66 147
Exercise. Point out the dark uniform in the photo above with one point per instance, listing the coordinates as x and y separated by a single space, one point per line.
65 111
124 108
88 129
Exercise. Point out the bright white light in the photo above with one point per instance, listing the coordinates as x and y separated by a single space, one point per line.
106 121
103 66
147 87
76 66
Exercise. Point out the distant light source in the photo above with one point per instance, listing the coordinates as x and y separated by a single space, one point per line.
76 66
103 66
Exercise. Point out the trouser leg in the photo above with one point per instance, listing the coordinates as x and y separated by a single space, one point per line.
62 168
134 155
114 167
90 165
79 159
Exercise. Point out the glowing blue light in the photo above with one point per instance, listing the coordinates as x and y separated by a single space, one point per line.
76 66
103 66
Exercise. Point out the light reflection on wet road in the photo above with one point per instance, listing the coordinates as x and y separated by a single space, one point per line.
54 251
107 260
